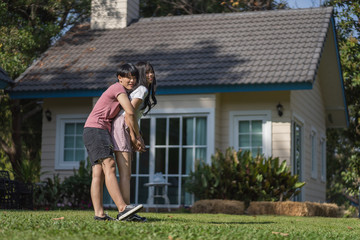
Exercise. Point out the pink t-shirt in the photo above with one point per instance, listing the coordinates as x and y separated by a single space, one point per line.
106 108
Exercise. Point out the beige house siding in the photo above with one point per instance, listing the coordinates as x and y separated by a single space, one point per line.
73 106
257 101
219 123
174 102
329 74
314 120
281 136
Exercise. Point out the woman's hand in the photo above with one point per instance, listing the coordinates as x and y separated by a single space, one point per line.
138 144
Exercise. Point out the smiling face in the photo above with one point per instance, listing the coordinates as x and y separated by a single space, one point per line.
128 82
149 77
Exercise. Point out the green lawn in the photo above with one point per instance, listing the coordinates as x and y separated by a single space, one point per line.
70 225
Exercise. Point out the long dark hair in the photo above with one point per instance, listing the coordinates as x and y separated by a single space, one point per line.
150 100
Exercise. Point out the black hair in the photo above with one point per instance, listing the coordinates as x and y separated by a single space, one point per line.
127 70
143 68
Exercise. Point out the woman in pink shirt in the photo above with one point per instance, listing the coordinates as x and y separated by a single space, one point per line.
99 146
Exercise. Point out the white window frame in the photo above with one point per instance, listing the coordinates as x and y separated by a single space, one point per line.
61 120
314 155
193 112
209 113
301 122
323 157
264 115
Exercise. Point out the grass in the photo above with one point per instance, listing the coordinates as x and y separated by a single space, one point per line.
80 225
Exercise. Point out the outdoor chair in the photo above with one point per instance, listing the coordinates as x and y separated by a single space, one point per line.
7 191
23 195
15 194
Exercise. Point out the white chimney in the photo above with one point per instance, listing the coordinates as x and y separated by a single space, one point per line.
111 14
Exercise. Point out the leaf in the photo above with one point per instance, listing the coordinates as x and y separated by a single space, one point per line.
299 184
280 233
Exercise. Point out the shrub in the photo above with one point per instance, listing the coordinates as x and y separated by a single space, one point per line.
48 193
239 176
77 187
74 191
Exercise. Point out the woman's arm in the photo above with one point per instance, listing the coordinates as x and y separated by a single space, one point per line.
131 121
136 102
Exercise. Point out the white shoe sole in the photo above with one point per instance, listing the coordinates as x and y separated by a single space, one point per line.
131 212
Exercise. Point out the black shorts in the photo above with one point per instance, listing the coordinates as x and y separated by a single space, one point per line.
98 144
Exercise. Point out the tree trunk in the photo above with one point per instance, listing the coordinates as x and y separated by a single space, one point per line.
15 148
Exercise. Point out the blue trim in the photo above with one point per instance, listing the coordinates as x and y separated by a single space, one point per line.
234 88
56 94
168 90
340 71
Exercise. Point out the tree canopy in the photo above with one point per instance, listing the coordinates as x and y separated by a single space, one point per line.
343 158
156 8
27 29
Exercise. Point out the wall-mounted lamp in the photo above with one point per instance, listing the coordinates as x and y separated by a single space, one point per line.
280 109
48 115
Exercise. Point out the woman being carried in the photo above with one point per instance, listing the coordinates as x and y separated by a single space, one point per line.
143 99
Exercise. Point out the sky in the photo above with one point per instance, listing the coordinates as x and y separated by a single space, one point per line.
304 3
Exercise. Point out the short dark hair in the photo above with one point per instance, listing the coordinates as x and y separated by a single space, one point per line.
127 70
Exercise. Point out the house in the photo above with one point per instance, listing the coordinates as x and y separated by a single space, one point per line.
5 80
266 81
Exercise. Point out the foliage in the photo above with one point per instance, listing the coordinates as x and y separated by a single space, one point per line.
343 158
73 191
28 26
49 192
152 8
27 29
254 5
239 176
77 187
21 225
29 171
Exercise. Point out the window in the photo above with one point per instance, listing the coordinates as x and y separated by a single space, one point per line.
251 131
177 143
173 142
70 149
313 154
297 132
323 159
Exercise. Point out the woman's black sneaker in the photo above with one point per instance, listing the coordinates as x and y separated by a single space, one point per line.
129 211
106 218
136 218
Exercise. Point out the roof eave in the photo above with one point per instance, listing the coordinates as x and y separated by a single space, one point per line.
169 90
340 72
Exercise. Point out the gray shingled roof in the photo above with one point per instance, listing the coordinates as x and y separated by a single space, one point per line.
269 47
5 80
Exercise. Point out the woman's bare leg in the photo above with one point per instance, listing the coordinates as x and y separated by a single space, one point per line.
123 160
